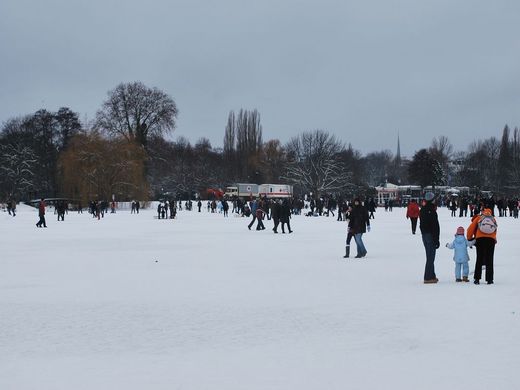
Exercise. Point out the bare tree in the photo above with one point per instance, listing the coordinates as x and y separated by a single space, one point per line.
441 147
229 135
515 158
273 161
136 112
479 169
314 163
378 167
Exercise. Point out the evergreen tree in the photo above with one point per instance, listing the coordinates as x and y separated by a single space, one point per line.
504 163
425 170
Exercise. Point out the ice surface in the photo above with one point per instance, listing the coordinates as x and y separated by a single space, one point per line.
201 302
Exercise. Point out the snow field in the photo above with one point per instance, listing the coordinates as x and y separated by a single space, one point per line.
201 302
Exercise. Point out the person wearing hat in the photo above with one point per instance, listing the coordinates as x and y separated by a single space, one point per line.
359 223
460 256
430 231
483 229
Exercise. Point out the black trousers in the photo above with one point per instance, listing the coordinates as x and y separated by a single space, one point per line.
41 221
288 226
414 224
485 253
252 222
276 223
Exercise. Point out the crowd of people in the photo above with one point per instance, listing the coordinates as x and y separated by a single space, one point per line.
462 205
481 232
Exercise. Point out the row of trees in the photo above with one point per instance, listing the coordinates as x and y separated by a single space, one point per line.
125 152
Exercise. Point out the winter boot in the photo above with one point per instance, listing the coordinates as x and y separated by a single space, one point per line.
347 252
465 279
458 280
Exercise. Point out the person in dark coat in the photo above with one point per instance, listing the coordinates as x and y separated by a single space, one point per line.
371 207
359 224
430 231
41 213
60 208
350 234
276 209
285 215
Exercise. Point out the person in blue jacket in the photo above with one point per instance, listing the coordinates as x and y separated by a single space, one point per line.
460 257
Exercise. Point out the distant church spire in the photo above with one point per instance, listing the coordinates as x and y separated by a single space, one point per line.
398 154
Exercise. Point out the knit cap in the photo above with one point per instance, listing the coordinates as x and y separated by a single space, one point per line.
460 231
429 196
487 212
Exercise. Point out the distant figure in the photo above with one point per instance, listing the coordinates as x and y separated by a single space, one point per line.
41 214
285 216
254 206
412 213
276 210
371 207
259 217
11 207
60 209
350 233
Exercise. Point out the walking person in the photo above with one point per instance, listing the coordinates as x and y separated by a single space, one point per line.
460 256
254 206
359 224
430 231
225 207
412 213
350 234
276 209
11 207
285 216
60 209
259 217
371 207
41 214
483 229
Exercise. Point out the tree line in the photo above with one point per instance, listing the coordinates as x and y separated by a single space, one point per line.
125 152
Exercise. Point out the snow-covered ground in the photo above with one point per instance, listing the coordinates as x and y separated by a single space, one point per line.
201 302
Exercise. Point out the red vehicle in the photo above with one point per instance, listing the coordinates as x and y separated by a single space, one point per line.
214 193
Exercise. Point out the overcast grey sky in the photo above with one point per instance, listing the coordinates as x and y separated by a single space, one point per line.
363 70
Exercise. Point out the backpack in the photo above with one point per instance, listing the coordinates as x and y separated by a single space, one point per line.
487 224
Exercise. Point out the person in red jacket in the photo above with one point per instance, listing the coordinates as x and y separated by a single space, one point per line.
412 213
483 229
41 213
